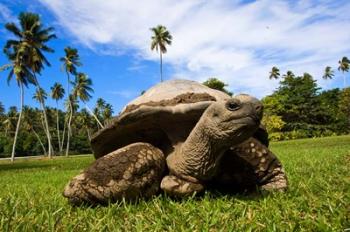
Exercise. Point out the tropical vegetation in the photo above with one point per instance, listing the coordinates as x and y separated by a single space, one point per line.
26 61
298 108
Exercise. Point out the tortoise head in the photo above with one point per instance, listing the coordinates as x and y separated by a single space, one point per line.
233 120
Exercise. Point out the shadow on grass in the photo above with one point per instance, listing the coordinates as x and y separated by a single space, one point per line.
24 165
40 166
211 194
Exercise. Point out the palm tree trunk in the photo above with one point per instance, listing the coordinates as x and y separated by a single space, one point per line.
88 133
58 127
18 122
68 81
64 133
98 121
69 133
161 66
70 115
41 143
47 129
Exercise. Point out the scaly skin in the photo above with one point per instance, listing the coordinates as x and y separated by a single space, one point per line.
251 165
131 172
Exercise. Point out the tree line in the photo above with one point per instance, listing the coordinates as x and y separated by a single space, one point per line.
298 108
32 138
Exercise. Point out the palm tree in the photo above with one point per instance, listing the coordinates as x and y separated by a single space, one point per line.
23 78
70 63
344 65
57 93
31 44
32 39
86 121
328 73
82 87
161 37
71 108
107 113
40 96
289 75
100 104
275 73
82 90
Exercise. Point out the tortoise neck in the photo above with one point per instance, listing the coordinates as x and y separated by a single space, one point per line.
199 155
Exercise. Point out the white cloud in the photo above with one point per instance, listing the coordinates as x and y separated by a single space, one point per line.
239 43
6 14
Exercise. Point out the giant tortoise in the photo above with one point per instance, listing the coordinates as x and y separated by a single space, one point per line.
179 136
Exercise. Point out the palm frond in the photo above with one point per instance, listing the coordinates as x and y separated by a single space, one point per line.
14 29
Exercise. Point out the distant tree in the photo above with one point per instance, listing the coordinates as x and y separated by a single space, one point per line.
328 73
344 105
32 38
57 93
289 75
160 38
297 98
273 123
40 96
8 125
98 111
86 121
274 73
2 114
107 113
344 65
10 118
82 87
215 83
2 109
81 90
29 124
71 61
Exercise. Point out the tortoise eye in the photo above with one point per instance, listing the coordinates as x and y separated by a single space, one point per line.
233 105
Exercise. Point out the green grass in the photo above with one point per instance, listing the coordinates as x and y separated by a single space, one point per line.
318 198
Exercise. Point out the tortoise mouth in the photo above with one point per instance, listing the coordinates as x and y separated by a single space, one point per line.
250 120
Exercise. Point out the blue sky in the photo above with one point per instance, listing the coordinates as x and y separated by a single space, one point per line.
236 41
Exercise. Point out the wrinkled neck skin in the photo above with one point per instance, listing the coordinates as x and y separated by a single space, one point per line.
199 156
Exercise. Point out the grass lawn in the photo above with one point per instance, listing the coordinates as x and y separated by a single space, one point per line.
318 198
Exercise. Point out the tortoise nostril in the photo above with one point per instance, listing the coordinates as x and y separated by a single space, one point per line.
259 108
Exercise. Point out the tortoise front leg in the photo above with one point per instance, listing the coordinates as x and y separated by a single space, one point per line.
252 164
180 187
130 172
